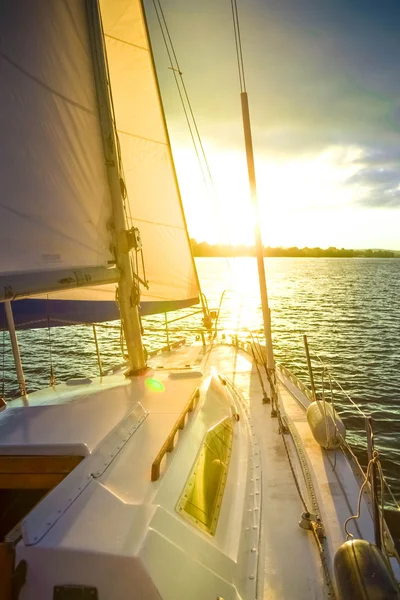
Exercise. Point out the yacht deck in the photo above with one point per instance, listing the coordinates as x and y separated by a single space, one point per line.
109 526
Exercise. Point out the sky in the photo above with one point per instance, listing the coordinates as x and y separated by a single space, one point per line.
323 79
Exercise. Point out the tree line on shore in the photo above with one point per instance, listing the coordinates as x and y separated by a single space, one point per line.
205 249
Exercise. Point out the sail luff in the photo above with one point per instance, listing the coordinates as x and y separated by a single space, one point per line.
128 296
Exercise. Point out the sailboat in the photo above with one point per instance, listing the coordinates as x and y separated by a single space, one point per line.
167 477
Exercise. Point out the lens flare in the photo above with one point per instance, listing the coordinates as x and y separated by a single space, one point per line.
154 385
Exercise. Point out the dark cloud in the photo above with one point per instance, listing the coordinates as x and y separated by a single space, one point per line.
385 157
382 187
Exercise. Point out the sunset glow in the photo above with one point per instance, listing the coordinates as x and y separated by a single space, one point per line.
302 202
325 120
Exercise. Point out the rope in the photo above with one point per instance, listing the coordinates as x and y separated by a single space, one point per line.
294 474
265 395
271 376
374 459
314 526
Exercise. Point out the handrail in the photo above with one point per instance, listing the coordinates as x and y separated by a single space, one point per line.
169 445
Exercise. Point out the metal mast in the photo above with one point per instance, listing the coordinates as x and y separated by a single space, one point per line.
266 313
128 286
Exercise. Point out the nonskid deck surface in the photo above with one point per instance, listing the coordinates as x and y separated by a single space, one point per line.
289 564
108 525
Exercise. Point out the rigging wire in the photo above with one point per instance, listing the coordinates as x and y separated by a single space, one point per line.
191 121
238 44
349 535
184 96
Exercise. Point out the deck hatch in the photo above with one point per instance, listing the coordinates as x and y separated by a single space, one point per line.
201 498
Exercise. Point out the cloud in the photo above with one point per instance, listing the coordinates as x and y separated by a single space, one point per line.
382 187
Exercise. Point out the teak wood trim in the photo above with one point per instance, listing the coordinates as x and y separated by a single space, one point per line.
38 464
35 472
29 481
168 445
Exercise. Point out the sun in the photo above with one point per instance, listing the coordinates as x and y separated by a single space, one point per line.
296 197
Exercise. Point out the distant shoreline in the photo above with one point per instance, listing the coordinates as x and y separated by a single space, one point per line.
203 249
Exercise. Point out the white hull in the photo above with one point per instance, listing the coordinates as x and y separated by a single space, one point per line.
107 525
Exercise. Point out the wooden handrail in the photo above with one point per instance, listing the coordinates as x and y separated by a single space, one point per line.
168 445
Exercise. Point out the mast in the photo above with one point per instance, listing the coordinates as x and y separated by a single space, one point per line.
266 313
128 287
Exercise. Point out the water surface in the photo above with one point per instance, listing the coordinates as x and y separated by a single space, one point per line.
349 309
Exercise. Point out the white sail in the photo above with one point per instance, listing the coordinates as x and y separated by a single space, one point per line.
154 201
54 204
56 207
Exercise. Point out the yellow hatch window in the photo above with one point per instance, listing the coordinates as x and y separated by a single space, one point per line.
202 497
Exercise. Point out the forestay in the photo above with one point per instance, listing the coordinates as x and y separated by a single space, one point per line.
61 204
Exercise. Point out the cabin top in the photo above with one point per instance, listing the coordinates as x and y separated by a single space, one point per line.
74 419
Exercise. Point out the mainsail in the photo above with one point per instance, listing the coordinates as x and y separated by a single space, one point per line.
57 196
55 201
